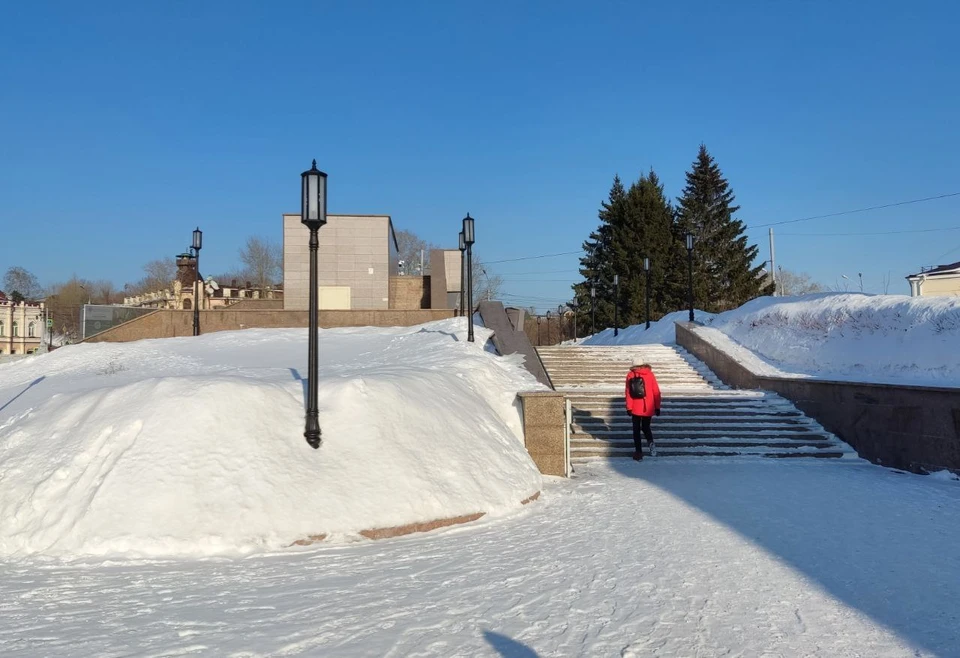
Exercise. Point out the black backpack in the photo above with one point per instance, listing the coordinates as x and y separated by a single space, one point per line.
638 389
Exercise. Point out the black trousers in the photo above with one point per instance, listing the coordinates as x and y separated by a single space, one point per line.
641 424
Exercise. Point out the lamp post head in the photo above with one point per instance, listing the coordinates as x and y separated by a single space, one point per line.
689 241
616 279
468 235
463 245
197 239
646 264
313 197
593 291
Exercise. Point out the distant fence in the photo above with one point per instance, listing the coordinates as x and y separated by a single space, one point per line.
97 318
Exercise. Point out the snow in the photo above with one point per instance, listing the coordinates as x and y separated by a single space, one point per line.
194 446
667 558
853 337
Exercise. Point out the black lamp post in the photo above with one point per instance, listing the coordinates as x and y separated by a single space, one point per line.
646 269
575 307
313 214
548 328
468 239
197 288
560 321
463 271
539 321
593 310
690 277
616 304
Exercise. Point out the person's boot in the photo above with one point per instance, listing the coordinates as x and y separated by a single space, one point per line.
653 449
638 456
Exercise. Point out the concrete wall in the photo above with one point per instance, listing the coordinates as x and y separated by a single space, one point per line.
915 428
257 305
169 324
356 251
508 340
409 292
544 430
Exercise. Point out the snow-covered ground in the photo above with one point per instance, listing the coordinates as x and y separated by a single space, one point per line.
194 446
665 558
871 338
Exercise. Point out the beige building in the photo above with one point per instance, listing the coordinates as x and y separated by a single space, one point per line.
357 257
179 296
21 326
942 281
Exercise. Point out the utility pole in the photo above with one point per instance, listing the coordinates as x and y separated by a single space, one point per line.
773 264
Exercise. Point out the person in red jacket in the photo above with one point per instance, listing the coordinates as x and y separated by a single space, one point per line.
643 401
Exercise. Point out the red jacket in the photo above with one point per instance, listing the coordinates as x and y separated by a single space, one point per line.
648 405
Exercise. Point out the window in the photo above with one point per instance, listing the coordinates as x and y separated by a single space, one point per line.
1 328
16 330
32 330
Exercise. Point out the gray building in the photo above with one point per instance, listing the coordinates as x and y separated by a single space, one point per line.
357 257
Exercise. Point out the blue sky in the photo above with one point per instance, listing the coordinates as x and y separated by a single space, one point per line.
125 125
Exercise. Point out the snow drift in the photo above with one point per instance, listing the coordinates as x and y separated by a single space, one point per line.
194 446
873 338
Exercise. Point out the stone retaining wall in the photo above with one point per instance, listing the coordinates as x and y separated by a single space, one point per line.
170 324
915 428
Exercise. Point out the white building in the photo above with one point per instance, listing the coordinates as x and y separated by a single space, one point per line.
21 326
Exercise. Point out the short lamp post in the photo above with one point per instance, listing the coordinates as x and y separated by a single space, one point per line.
197 288
539 322
468 239
463 271
646 269
560 321
593 310
690 276
313 214
616 304
548 329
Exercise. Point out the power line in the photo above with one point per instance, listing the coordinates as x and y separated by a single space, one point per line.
947 253
918 230
513 260
851 212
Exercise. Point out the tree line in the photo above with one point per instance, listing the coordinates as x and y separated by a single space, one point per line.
641 222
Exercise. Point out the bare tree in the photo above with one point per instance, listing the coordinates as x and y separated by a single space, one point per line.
262 260
18 279
486 285
411 248
796 283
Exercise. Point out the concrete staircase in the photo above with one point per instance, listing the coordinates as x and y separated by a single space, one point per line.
701 416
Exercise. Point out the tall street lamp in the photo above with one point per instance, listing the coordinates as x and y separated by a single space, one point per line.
575 307
539 322
463 271
616 304
560 321
468 239
197 245
690 277
593 310
646 269
548 329
313 214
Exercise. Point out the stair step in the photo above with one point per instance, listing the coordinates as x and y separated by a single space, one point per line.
701 415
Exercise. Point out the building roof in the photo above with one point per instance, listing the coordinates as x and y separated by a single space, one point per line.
939 270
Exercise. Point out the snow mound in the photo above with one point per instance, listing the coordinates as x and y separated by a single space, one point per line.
194 446
872 338
661 332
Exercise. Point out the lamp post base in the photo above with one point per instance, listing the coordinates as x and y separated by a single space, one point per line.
312 432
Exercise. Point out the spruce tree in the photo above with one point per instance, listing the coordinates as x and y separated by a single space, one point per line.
645 232
724 274
596 265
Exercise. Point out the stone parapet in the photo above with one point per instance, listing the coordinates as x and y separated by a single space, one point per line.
545 430
915 428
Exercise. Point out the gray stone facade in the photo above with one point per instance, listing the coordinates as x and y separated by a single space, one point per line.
358 254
